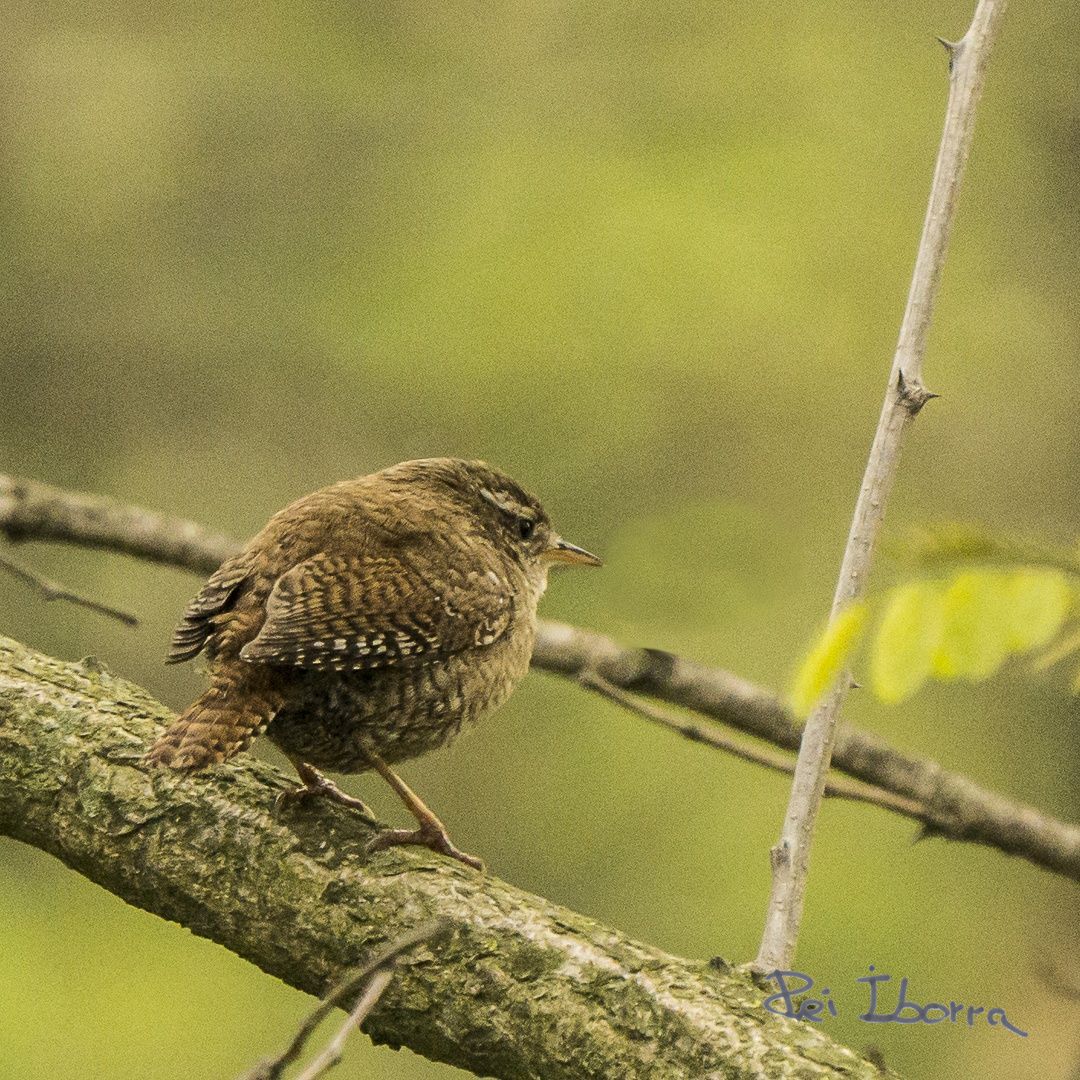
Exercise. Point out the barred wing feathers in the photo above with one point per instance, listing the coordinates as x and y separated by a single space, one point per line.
357 613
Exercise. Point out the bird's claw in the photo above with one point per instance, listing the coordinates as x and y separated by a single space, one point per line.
324 789
429 836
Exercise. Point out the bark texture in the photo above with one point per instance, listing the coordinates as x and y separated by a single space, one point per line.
519 987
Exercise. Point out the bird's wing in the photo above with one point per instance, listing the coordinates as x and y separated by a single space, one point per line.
355 613
214 598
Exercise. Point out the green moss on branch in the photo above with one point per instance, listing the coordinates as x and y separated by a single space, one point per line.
520 988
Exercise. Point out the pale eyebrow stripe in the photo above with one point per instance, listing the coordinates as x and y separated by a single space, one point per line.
499 504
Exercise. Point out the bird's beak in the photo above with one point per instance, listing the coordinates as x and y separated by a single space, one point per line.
561 551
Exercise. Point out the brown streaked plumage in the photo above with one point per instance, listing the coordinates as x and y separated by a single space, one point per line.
366 623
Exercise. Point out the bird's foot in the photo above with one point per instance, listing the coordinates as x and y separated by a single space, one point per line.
316 786
431 834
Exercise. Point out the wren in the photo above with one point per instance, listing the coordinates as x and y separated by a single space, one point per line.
365 624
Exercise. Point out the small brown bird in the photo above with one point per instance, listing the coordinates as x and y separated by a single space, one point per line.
365 624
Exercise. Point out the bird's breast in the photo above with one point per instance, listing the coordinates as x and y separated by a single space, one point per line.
400 712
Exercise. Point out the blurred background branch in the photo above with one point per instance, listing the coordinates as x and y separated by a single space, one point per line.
947 804
838 787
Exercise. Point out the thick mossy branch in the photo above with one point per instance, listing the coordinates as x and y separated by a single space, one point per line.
519 988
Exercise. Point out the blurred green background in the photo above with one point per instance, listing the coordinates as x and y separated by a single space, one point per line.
649 258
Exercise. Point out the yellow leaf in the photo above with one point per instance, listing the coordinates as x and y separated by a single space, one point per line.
1038 601
908 636
824 661
975 635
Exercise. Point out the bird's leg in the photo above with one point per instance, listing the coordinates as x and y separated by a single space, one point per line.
432 832
315 785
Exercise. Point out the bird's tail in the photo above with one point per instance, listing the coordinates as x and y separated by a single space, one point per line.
220 723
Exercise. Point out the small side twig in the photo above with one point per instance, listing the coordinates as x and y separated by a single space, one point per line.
836 787
370 980
53 590
331 1056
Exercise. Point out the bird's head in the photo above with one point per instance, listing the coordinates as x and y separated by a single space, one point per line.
474 496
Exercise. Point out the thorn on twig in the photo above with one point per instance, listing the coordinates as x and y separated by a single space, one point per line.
952 48
927 831
854 684
53 590
913 394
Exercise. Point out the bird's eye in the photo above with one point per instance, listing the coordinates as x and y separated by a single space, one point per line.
526 527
